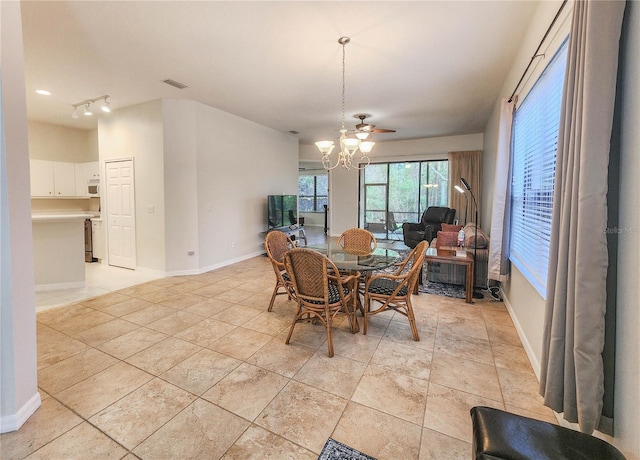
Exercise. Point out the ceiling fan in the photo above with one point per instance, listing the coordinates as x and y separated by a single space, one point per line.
368 128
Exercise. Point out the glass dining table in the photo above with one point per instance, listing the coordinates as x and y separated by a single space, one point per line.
354 261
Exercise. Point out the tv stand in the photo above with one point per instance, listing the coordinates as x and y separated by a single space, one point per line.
295 231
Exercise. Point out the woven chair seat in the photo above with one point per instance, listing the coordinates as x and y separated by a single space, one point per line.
334 295
386 286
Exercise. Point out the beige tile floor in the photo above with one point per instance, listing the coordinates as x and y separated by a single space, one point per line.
195 367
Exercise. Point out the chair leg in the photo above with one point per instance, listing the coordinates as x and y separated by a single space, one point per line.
412 321
365 313
293 324
273 296
329 327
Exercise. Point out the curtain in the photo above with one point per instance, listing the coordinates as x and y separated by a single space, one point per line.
468 166
498 250
571 368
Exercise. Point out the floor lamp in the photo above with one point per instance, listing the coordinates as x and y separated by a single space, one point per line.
475 237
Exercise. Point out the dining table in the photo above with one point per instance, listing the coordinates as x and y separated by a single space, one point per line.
363 262
357 261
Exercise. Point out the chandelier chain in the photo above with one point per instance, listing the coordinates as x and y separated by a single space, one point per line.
343 83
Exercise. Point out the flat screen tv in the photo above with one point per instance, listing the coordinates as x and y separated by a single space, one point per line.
282 210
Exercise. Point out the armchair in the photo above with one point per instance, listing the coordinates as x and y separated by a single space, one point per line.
429 226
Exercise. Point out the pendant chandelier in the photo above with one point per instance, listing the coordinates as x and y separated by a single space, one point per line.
348 145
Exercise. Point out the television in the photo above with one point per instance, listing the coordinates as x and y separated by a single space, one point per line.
282 210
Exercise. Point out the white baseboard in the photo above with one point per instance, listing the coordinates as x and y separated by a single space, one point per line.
15 421
57 286
535 364
199 271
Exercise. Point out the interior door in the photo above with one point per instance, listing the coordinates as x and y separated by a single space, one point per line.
121 232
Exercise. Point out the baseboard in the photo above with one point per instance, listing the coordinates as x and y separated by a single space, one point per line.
57 286
14 422
535 364
200 271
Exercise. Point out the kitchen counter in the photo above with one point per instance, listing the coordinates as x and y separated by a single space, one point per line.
58 249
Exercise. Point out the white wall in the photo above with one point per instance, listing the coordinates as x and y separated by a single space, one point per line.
343 185
180 185
239 164
206 173
137 132
19 396
61 143
526 306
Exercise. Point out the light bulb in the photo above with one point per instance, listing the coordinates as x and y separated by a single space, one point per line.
105 106
87 112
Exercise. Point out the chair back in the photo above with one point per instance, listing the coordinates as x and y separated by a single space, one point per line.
416 257
358 240
309 273
438 215
276 244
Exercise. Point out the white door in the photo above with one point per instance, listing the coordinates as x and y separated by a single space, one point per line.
121 232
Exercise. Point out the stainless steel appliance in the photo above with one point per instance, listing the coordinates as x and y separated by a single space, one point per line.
88 242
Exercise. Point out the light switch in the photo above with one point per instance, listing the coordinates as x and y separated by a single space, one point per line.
150 209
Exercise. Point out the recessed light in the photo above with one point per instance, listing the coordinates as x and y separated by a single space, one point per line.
43 92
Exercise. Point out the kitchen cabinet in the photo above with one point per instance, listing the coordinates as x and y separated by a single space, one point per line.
85 172
52 178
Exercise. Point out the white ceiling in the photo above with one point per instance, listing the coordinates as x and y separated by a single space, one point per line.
424 68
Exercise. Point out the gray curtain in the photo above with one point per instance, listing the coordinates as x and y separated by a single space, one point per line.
572 375
499 248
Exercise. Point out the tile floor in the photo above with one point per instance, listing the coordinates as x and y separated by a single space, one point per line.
195 367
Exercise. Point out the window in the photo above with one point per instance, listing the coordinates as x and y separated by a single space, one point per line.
312 193
534 144
400 191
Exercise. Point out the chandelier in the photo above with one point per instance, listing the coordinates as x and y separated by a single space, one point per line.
348 145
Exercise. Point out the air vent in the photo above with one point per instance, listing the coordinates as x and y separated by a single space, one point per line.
293 132
174 83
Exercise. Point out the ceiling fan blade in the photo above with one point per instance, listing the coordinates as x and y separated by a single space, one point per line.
380 130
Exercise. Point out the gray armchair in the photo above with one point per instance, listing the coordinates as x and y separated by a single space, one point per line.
429 226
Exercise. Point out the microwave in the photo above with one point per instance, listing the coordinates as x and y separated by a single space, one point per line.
93 187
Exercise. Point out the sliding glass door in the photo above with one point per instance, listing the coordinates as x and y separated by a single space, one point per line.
393 193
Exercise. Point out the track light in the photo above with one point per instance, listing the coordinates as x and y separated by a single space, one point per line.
105 106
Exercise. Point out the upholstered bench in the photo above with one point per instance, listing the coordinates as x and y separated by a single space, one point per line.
501 435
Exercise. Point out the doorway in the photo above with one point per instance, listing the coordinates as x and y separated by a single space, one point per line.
121 230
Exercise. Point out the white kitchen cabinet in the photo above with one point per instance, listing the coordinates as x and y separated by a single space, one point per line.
64 179
85 172
97 237
41 178
52 178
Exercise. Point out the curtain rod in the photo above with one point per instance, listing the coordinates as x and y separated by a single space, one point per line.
535 55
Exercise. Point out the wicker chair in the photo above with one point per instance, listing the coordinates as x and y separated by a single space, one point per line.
277 244
394 291
358 240
321 291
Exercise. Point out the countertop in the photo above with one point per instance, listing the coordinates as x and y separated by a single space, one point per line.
62 215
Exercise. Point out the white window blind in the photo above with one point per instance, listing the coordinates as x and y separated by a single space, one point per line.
534 145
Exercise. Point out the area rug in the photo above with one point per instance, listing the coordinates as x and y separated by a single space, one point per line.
334 450
430 287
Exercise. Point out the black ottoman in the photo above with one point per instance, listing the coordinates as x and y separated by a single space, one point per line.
501 435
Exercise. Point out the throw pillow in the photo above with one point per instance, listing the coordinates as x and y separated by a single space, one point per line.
451 228
470 237
447 239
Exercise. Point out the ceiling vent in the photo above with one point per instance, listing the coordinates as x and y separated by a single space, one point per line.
174 83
